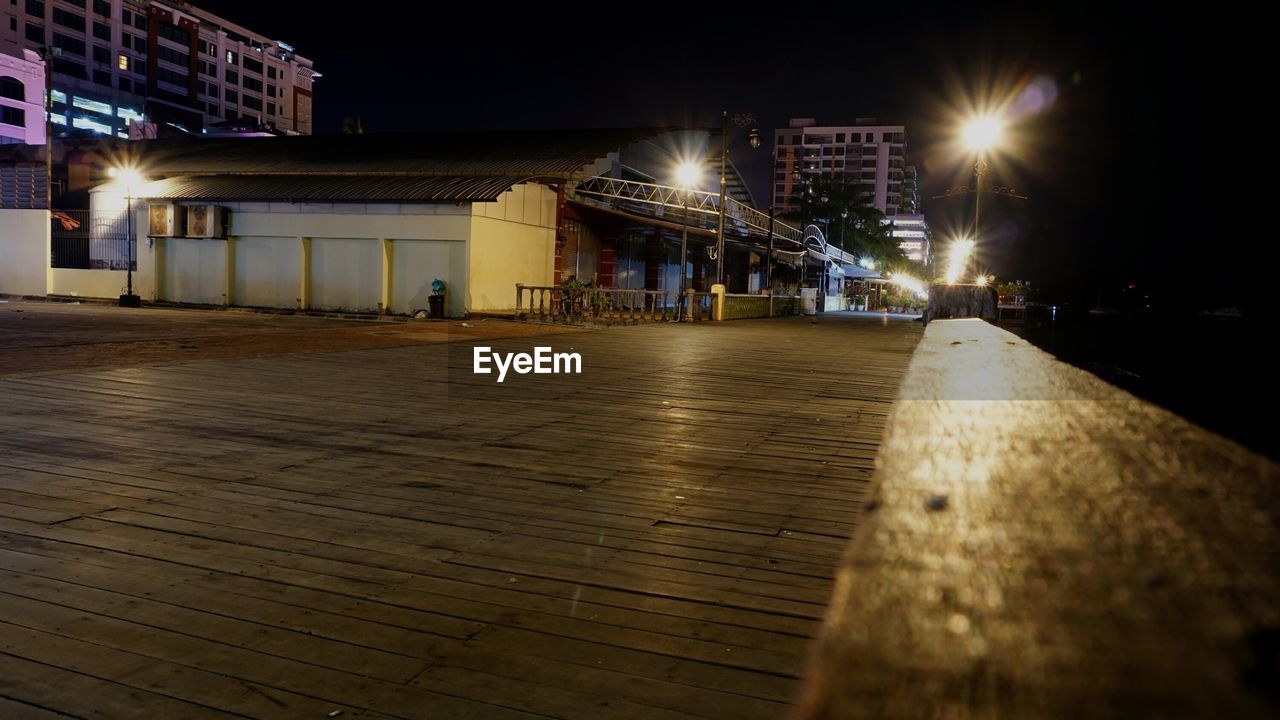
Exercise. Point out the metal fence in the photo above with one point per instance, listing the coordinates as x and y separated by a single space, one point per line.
87 240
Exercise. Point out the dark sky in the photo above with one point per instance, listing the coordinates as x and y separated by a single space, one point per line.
1113 167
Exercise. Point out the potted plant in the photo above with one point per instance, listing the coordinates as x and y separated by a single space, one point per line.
572 292
435 301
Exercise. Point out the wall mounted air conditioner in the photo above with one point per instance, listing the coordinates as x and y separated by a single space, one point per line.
206 221
165 220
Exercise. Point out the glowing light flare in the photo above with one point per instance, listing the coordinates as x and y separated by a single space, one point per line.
983 133
688 175
1034 98
956 259
129 177
982 281
908 283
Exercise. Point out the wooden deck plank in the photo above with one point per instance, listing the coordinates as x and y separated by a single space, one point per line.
81 694
11 709
378 530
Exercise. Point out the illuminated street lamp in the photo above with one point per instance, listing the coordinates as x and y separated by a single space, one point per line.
130 178
981 134
958 255
741 120
687 176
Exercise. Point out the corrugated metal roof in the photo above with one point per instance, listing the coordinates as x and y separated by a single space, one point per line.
542 153
329 188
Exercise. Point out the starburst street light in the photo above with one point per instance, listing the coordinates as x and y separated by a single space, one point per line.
688 175
129 178
983 133
957 256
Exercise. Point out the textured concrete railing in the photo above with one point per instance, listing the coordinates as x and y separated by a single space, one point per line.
961 301
1038 543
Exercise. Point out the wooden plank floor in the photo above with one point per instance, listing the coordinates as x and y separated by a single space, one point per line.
382 532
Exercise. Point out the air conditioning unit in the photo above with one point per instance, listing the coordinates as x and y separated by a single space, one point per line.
206 221
165 220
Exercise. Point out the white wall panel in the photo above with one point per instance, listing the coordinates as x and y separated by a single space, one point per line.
346 274
193 271
266 271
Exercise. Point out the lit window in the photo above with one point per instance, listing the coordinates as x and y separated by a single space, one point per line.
58 119
59 96
94 105
122 62
87 124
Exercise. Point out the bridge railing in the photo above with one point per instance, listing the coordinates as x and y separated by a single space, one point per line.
551 303
704 206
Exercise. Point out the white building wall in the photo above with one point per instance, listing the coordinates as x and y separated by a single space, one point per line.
512 241
266 272
346 274
416 263
339 256
24 252
192 270
89 283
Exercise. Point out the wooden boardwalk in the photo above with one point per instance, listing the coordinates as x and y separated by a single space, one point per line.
380 532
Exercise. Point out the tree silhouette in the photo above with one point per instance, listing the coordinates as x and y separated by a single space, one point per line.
843 208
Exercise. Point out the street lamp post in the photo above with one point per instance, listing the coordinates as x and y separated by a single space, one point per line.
686 177
844 215
741 120
981 134
806 191
129 178
768 264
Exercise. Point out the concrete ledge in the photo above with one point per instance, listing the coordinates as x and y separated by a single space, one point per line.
1041 544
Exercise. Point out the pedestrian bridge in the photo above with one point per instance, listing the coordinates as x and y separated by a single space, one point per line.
744 225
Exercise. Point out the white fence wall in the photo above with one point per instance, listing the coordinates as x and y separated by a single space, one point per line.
24 252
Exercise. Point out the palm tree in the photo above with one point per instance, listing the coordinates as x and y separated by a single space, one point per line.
852 224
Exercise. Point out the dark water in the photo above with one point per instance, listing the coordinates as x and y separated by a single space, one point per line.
1215 372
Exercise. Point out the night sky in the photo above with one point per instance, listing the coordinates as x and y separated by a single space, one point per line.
1124 169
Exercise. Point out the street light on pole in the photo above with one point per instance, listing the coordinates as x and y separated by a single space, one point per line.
844 215
687 176
741 120
981 134
129 178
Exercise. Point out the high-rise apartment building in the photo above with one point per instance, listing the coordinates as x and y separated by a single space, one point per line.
117 61
912 233
865 153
